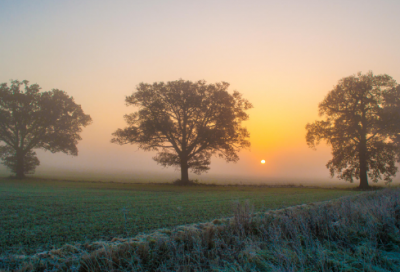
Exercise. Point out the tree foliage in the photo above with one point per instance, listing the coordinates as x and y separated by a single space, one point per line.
361 122
392 108
186 122
30 119
9 158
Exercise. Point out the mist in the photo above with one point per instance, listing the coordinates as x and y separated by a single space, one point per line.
283 58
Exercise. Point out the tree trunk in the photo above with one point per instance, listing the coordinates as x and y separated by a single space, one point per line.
19 168
184 172
363 165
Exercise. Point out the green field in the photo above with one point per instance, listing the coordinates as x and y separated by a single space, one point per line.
38 215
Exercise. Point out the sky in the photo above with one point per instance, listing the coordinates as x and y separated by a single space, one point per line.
283 56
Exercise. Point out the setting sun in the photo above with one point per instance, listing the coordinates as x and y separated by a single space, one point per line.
262 161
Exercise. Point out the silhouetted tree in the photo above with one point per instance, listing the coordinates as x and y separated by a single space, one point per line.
187 122
9 158
359 126
392 108
30 119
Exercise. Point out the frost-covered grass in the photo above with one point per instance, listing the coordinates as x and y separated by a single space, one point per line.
38 215
356 233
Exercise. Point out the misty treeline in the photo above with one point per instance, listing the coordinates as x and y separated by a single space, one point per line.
187 123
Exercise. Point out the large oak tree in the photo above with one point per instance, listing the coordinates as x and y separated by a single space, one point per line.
186 122
361 123
392 108
30 119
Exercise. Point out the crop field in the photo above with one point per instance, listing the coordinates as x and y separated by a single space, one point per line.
38 215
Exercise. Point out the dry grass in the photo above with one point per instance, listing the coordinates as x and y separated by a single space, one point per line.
358 233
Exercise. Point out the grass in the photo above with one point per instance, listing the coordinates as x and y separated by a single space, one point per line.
355 233
38 215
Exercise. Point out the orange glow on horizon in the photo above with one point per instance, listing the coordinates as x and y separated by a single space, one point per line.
272 52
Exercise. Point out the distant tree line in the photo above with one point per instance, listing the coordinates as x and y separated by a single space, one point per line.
189 122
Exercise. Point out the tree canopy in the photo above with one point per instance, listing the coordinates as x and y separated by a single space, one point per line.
186 122
30 119
362 126
392 108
